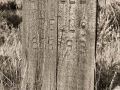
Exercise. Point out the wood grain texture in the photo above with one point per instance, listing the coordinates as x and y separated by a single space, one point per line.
67 51
40 45
50 46
58 44
76 44
86 44
30 44
42 27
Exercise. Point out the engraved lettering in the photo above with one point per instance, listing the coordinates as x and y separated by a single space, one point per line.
69 43
72 31
34 41
51 24
72 1
82 1
63 1
51 21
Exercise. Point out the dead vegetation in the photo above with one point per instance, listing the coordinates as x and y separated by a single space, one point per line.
108 45
10 48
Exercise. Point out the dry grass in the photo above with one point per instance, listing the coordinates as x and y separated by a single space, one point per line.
108 45
10 55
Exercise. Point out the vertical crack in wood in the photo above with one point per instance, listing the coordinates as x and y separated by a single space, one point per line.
96 28
57 55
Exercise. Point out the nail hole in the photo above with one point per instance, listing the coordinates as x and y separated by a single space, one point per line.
83 25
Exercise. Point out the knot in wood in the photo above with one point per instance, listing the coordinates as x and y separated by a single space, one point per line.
83 25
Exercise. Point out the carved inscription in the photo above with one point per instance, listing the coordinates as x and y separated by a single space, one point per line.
41 14
50 42
34 42
51 24
82 1
72 1
69 43
83 26
32 0
63 1
72 19
42 21
51 38
61 22
82 42
72 24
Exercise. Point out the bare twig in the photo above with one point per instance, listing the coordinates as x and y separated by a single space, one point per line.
113 79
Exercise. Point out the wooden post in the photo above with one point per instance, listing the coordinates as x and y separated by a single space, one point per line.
67 45
86 43
58 44
39 45
76 44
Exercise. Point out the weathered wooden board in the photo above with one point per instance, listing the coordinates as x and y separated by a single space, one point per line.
49 30
76 44
39 45
86 43
42 27
67 50
30 43
58 44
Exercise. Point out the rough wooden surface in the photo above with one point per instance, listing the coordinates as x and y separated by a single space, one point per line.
58 44
76 27
50 44
86 44
30 44
67 50
39 45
